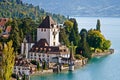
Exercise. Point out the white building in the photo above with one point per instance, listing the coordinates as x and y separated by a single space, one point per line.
23 66
42 51
49 30
47 46
25 47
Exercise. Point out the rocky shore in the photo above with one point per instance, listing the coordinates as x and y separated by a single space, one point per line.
78 64
98 54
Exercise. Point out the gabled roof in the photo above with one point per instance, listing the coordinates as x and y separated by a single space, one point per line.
43 47
41 43
47 22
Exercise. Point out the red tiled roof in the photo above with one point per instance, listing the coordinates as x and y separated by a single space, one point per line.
43 47
8 29
47 22
3 21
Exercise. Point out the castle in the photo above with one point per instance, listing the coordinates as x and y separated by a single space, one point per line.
47 48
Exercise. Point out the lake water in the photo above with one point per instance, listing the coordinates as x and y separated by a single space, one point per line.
104 68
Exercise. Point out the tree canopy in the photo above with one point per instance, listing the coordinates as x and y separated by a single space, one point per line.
8 57
97 40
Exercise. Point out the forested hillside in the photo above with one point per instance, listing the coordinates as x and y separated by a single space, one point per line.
18 9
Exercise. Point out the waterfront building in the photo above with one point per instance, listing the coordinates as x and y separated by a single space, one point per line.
47 46
23 66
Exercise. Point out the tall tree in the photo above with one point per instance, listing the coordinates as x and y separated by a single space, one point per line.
8 57
14 35
83 31
68 26
75 27
98 25
83 46
72 37
64 37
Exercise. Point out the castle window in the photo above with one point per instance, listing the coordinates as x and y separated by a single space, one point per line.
52 25
54 36
64 50
54 43
42 29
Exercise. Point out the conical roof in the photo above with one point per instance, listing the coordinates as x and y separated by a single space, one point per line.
47 22
71 56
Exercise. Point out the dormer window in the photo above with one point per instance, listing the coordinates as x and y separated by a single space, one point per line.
45 49
49 49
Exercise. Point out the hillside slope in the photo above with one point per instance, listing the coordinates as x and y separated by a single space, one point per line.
18 9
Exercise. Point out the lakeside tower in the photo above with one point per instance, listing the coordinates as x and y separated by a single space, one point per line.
49 30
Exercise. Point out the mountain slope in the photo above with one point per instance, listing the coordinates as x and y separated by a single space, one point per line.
80 7
18 9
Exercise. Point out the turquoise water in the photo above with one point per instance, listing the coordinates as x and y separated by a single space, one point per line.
104 68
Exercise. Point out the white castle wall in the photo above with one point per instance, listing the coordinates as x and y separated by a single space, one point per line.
28 47
47 33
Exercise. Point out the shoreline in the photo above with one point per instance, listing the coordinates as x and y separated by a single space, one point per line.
99 54
78 64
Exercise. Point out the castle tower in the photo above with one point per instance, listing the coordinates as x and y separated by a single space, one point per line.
48 30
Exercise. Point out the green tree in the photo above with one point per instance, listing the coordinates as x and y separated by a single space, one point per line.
76 35
7 61
83 31
24 77
21 35
38 66
68 26
0 31
106 45
28 26
64 37
98 25
44 65
72 37
95 39
15 36
83 46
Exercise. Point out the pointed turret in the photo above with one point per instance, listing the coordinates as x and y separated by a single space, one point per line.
72 47
71 58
